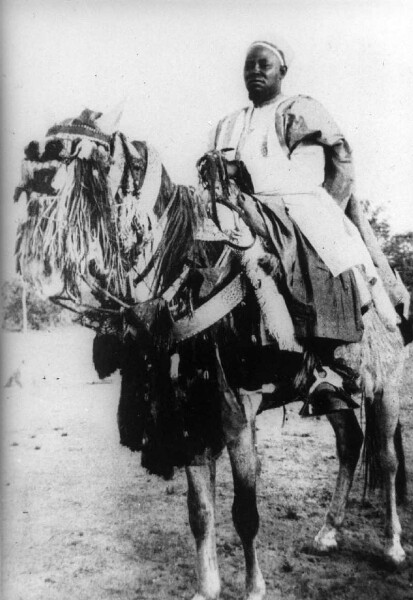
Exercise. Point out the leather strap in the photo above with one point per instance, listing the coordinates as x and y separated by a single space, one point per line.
212 311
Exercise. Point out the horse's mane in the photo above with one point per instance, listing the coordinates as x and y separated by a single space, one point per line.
178 240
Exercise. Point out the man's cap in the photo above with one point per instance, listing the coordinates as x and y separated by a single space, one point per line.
279 47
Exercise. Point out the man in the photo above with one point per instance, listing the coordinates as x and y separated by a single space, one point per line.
302 173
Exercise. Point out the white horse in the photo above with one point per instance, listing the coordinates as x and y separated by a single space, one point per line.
105 215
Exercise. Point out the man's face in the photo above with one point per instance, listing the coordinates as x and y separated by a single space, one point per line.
263 74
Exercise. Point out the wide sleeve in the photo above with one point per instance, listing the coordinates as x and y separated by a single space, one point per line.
307 119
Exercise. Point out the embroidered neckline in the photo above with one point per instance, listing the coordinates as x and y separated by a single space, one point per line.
247 129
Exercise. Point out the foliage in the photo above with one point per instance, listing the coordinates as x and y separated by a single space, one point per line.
378 221
398 247
40 313
399 250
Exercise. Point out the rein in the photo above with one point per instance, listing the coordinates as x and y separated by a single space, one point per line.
170 241
240 212
213 169
66 300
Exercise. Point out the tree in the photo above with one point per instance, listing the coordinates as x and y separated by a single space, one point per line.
398 247
378 221
40 313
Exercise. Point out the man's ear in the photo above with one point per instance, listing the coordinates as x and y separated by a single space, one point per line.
283 70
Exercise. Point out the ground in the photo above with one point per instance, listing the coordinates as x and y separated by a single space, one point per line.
82 519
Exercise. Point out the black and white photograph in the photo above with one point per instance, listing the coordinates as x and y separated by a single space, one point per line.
206 283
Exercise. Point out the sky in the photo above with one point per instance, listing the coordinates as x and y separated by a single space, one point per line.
177 67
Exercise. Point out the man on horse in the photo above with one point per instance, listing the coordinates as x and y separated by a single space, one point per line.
302 177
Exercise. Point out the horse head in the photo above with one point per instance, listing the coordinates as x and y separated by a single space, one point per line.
105 223
85 222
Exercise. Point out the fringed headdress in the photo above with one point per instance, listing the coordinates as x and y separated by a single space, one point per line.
70 207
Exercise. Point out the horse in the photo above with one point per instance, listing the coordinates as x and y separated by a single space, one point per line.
165 275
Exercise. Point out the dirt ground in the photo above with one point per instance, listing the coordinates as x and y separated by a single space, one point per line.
82 520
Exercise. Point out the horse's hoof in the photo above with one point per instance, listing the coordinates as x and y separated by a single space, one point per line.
325 540
257 591
395 554
256 595
212 594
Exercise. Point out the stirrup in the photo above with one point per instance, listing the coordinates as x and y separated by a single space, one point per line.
327 395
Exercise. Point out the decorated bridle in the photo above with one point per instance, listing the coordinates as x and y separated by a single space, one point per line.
80 164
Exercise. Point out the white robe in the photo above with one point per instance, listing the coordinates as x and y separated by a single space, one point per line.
298 181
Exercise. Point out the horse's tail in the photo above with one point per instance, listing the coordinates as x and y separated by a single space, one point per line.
373 477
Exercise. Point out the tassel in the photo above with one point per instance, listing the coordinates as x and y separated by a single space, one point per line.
277 319
154 319
161 327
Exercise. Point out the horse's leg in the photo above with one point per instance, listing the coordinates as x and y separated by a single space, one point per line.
387 410
349 439
244 463
201 506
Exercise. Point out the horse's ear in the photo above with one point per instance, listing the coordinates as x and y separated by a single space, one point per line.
89 116
109 122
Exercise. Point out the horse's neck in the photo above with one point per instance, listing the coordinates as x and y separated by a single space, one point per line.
142 275
146 268
142 174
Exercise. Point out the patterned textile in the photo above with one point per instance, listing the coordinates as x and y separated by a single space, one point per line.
321 306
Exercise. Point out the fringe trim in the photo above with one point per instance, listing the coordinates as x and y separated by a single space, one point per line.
277 319
63 232
376 357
